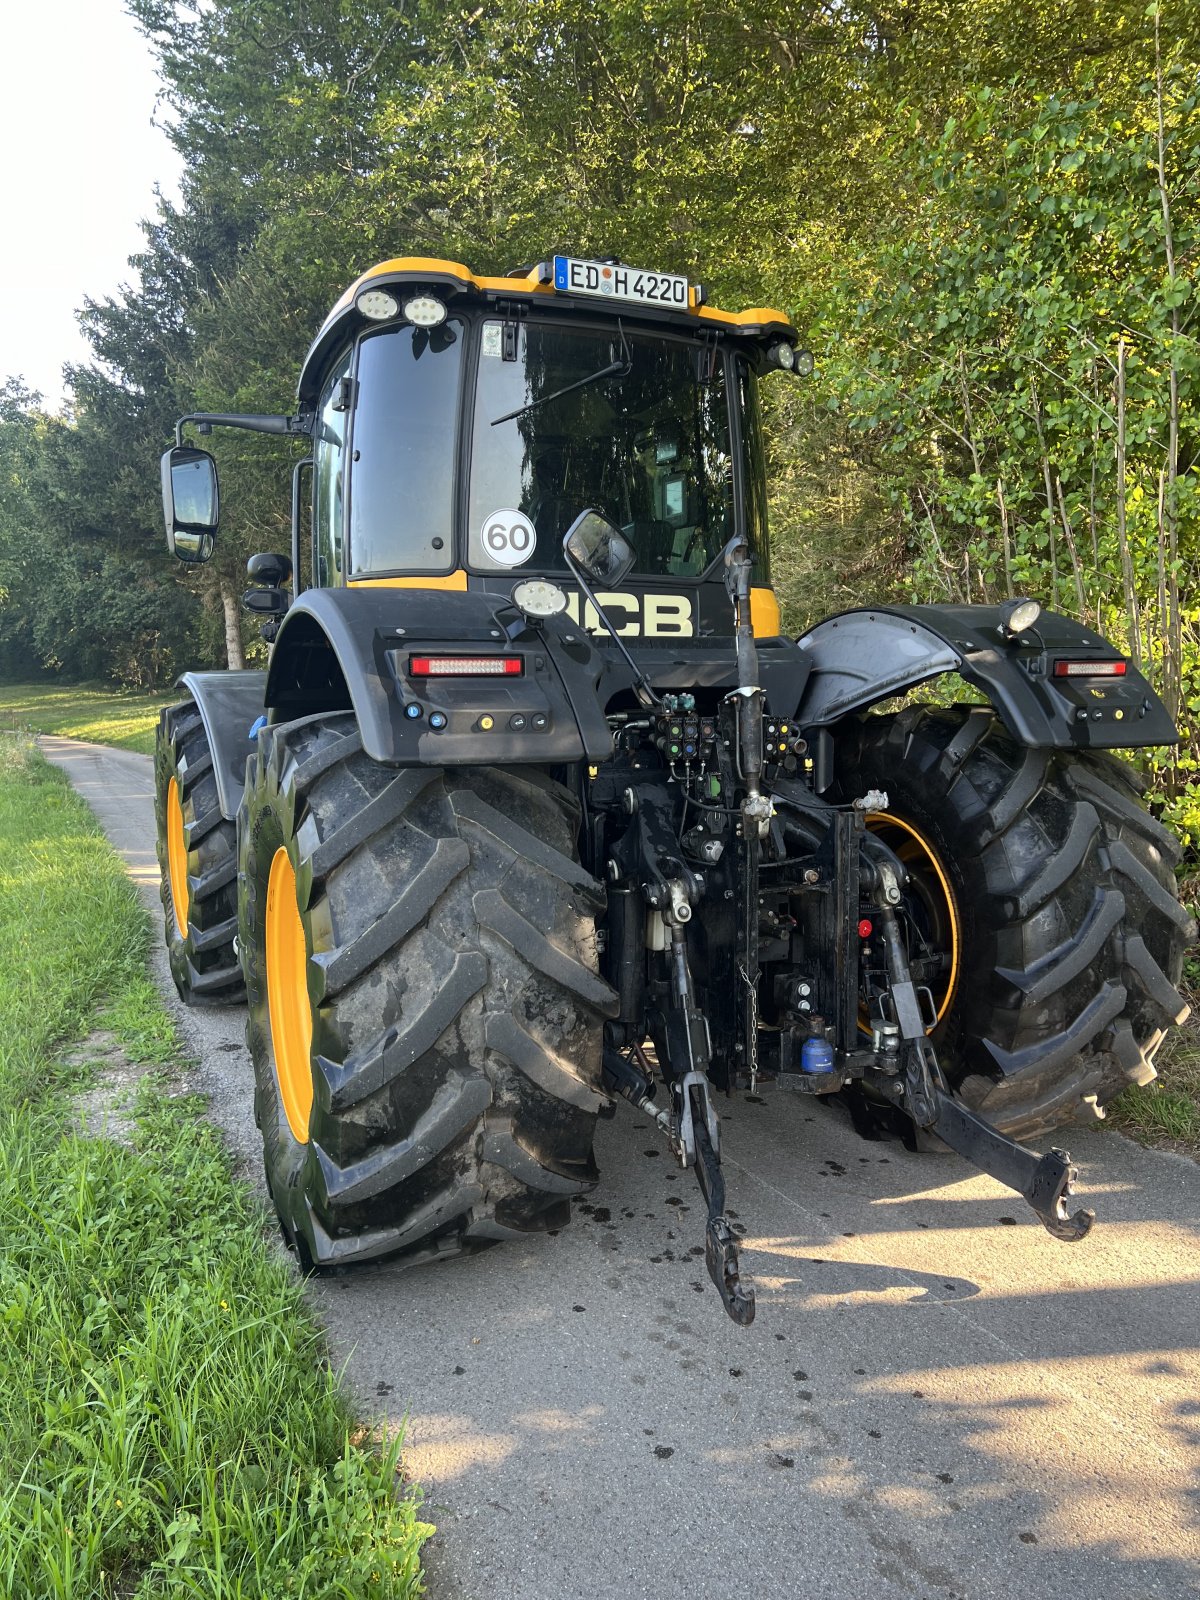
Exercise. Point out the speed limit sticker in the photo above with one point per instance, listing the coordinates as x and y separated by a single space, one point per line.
509 538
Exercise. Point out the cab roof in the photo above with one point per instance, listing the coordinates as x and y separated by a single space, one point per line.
450 279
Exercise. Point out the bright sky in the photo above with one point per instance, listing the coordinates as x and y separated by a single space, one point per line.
77 174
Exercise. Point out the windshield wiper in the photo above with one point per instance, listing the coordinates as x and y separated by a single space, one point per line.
618 366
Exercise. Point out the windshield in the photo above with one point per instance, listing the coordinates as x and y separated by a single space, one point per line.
636 432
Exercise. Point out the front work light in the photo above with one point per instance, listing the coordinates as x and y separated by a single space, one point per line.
537 598
378 304
423 311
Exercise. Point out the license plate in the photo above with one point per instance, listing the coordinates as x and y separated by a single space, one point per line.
621 283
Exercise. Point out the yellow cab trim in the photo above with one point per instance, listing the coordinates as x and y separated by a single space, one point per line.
432 266
443 580
765 617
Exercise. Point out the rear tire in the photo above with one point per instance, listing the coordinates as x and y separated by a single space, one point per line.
1072 937
197 857
450 983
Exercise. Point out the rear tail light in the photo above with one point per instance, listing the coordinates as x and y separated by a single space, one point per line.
1090 669
466 666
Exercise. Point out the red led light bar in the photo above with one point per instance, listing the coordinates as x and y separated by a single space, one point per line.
466 666
1089 669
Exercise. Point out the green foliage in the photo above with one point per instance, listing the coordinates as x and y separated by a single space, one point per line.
983 346
78 595
981 216
168 1423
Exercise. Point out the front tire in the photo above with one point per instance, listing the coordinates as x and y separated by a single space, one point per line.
197 858
427 1057
1062 900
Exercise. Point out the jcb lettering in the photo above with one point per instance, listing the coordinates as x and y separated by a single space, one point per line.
668 613
637 616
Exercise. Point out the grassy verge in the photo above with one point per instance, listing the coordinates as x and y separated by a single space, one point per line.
84 711
168 1423
1167 1112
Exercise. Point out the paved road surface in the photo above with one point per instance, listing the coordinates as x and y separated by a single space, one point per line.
936 1400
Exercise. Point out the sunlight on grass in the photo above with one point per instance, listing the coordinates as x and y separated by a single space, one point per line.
1168 1110
84 711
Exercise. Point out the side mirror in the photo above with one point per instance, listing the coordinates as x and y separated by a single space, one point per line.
599 547
190 502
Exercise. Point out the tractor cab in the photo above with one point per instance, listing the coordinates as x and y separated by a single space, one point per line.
460 424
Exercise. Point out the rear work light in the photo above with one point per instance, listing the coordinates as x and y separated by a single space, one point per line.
466 666
1089 669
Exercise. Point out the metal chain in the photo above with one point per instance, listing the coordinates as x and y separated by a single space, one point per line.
753 988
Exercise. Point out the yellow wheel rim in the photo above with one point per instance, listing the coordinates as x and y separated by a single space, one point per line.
287 996
177 858
932 887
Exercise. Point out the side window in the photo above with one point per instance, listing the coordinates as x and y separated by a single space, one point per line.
329 477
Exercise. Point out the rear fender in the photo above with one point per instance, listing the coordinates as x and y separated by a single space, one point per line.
229 703
862 657
351 649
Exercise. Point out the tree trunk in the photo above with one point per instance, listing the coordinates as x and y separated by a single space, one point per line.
1168 500
1131 599
234 659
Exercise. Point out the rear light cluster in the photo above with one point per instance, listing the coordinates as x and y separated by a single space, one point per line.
1089 669
466 666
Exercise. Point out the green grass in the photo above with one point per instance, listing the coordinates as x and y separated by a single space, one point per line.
168 1422
84 711
1167 1111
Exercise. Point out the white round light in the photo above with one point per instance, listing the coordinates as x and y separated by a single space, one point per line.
423 311
535 597
377 304
785 356
1018 615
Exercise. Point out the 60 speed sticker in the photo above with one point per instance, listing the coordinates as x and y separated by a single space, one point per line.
509 537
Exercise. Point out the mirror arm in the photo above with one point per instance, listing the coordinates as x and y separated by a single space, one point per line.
301 424
641 685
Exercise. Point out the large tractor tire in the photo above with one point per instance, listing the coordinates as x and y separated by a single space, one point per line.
1051 893
197 857
425 1014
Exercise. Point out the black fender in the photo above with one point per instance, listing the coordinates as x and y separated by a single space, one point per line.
861 657
352 649
229 704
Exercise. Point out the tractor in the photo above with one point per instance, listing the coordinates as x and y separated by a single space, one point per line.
535 806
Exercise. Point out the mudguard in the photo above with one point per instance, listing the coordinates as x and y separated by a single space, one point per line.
228 703
352 649
861 657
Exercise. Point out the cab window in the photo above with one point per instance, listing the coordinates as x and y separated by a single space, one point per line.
329 480
631 423
404 445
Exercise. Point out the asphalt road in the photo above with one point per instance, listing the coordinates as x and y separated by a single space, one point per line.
936 1399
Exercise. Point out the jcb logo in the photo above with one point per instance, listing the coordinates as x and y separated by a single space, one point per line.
637 616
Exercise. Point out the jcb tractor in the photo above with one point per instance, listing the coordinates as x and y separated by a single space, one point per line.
534 806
